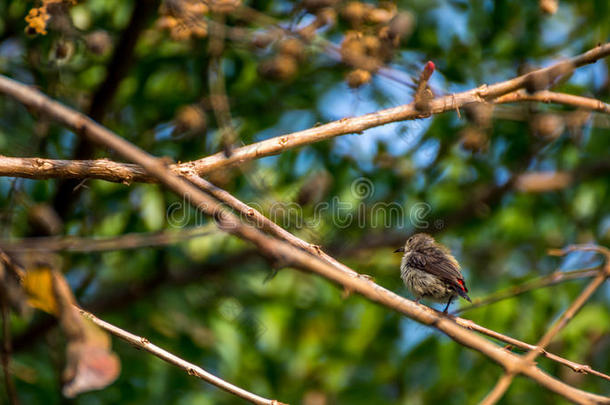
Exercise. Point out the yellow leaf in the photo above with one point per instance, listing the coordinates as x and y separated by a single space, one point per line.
38 285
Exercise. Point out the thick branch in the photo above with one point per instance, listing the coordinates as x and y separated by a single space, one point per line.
279 144
260 221
280 251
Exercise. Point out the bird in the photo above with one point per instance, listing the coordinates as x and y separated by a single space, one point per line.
430 271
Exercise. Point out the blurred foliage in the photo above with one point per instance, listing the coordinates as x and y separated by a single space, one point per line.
295 338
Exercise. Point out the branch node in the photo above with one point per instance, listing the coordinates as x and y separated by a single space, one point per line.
317 249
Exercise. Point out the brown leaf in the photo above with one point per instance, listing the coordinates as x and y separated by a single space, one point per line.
91 365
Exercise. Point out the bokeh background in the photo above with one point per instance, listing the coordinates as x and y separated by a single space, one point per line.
149 71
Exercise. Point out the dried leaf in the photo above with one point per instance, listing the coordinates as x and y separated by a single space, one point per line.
91 365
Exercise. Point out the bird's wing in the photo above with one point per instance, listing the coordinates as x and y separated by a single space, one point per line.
444 267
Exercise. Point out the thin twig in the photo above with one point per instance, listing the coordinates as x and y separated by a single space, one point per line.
116 298
522 113
577 367
504 382
89 244
11 390
218 93
283 253
545 281
190 368
546 96
145 344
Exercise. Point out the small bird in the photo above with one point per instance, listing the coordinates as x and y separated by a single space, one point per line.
429 270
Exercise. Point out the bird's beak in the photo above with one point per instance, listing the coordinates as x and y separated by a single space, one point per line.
402 249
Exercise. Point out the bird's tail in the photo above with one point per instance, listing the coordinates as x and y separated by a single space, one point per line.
464 295
462 290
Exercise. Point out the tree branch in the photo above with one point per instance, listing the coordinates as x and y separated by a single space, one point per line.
546 96
284 253
190 368
502 385
577 367
113 299
117 69
344 126
5 354
145 344
276 145
549 280
88 244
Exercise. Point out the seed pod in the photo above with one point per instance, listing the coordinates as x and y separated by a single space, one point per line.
190 119
314 5
549 6
281 67
474 139
357 78
547 126
355 13
292 47
98 42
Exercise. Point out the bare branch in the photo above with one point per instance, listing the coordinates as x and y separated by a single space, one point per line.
190 368
512 342
546 281
104 169
344 126
279 144
502 385
546 96
282 252
88 244
145 344
264 223
117 70
5 353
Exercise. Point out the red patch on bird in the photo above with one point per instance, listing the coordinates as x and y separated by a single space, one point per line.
461 282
